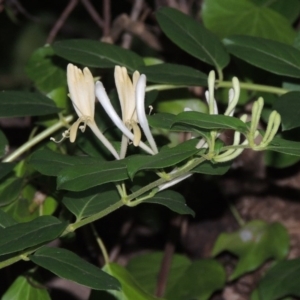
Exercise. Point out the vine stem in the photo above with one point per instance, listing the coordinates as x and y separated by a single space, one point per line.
38 138
236 214
254 87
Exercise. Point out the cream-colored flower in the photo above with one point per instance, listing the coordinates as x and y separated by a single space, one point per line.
82 94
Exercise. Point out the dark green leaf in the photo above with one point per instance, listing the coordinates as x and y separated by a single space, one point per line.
165 121
192 37
130 287
20 104
200 280
68 265
279 160
269 55
284 146
145 269
281 280
10 190
90 202
45 74
97 54
254 243
244 17
207 167
24 235
174 74
51 163
206 121
86 176
291 11
5 168
173 201
167 157
3 145
6 220
288 105
24 288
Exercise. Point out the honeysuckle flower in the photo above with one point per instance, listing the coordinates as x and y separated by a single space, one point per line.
132 97
82 94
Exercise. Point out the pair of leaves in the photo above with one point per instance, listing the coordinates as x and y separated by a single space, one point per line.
187 280
254 243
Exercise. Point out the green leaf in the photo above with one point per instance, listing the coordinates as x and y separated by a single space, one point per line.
24 288
3 145
51 163
97 54
5 168
192 37
10 190
284 146
281 280
70 266
165 121
206 121
244 17
43 72
6 220
291 11
279 160
87 176
209 168
145 269
174 74
199 281
269 55
92 201
173 201
167 157
288 106
254 243
130 287
20 104
24 235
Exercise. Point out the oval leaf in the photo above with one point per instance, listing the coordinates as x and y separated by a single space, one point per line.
24 288
5 168
6 220
97 54
221 18
284 146
254 243
68 265
192 37
92 201
20 104
86 176
24 235
281 280
269 55
288 105
174 74
171 200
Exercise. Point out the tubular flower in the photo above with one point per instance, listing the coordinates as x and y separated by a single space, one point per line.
132 97
82 94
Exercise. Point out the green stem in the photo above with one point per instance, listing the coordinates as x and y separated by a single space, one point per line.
101 244
254 87
236 214
38 138
163 87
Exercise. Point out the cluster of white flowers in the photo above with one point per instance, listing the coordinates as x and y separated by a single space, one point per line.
83 92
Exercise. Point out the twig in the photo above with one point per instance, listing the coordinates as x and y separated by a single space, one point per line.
61 20
93 13
106 16
135 12
167 258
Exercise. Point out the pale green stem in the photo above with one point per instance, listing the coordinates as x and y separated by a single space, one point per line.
236 214
100 244
38 138
162 87
254 87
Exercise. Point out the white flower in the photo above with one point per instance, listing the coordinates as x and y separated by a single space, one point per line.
132 98
82 94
